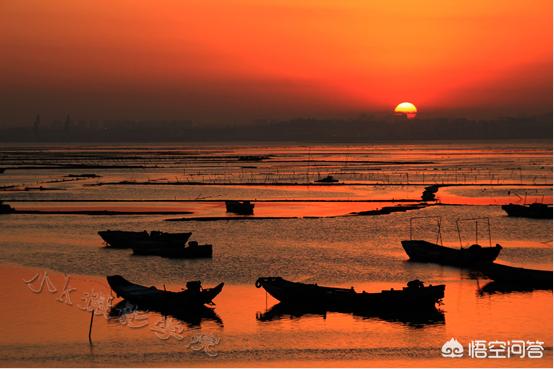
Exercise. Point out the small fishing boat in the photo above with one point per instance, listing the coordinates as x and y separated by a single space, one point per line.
194 296
428 252
509 275
239 207
415 296
328 179
253 157
429 193
6 208
192 251
535 211
130 239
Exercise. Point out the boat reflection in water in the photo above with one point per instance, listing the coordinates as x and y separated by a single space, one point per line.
280 311
192 318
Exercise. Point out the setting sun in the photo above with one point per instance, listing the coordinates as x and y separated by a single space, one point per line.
406 108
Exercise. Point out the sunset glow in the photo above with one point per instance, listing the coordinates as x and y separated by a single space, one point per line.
241 60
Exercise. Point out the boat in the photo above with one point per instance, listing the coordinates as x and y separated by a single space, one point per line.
428 252
192 251
416 296
253 157
429 193
509 275
239 207
6 208
328 179
129 239
193 297
535 210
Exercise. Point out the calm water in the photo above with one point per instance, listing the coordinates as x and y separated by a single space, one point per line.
364 252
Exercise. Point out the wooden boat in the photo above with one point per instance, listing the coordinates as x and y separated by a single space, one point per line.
429 193
193 297
6 208
328 179
415 296
518 276
239 207
428 252
253 157
192 251
535 210
129 239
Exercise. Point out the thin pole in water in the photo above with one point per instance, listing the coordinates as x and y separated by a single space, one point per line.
90 327
476 232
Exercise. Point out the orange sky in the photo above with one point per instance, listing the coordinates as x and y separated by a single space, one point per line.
246 59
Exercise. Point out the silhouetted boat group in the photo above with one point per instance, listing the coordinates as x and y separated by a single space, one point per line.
414 303
170 245
478 258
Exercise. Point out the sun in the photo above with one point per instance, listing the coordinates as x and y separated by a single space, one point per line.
407 109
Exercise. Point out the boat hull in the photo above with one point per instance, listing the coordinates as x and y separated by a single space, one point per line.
428 252
239 207
343 299
535 211
160 299
518 276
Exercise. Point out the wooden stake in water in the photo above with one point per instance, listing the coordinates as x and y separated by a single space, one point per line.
90 327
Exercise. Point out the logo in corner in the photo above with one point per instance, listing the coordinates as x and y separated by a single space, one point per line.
452 348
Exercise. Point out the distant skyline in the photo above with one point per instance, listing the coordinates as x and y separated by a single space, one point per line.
241 60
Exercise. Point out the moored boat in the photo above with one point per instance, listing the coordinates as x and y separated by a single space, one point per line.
428 252
239 207
429 193
194 296
130 239
6 208
328 179
415 296
510 275
535 210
